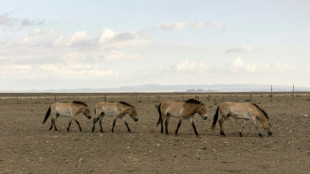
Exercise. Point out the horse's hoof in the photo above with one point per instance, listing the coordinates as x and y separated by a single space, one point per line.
198 136
260 135
101 131
240 134
222 134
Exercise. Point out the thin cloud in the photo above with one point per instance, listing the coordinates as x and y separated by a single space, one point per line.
189 66
179 25
221 26
27 22
110 39
118 55
78 37
197 25
14 24
243 48
6 20
172 26
239 66
79 70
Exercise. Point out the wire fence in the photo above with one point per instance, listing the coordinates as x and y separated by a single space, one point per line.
48 98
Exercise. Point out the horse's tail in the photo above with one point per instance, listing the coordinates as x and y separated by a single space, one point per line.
47 114
159 111
215 117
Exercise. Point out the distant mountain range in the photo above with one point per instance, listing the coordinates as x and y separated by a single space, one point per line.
183 88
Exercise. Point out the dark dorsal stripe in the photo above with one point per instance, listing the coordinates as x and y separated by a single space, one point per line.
79 103
193 101
261 110
125 103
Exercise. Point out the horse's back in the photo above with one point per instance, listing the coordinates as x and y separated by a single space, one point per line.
63 109
237 109
172 107
171 103
108 108
236 105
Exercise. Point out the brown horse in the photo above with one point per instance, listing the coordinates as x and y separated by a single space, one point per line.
247 111
67 110
181 110
114 109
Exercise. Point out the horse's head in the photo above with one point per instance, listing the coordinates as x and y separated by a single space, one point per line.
202 111
86 112
133 113
267 126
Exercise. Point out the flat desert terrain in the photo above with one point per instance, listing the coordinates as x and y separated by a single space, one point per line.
27 146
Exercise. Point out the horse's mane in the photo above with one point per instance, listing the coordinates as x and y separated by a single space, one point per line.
193 101
125 103
80 103
264 112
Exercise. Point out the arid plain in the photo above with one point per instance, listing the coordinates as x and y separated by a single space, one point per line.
26 145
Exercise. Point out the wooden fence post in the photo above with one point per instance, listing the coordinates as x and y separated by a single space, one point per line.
271 94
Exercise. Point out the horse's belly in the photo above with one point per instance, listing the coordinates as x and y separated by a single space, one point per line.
240 116
65 113
109 113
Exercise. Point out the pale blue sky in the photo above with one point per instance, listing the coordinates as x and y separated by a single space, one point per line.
98 44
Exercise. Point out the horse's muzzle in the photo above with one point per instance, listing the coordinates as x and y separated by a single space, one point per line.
135 118
269 133
204 117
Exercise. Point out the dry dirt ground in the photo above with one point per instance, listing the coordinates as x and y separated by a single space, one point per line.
26 145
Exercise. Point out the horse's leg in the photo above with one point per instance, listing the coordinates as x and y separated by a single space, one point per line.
256 126
68 128
179 124
162 123
166 123
77 122
54 121
52 124
221 121
94 123
240 133
100 123
194 127
114 121
126 124
96 118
